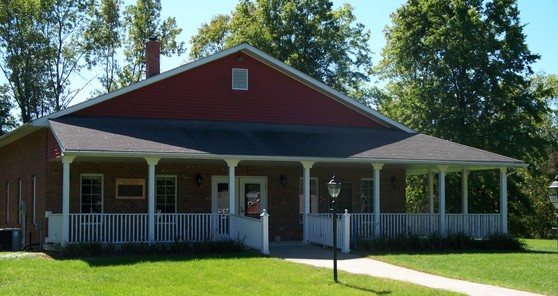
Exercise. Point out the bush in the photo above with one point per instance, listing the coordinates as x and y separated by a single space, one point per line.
175 248
451 242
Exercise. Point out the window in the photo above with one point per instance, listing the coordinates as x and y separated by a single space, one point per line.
7 202
92 193
366 195
34 196
19 201
166 194
239 79
313 195
130 188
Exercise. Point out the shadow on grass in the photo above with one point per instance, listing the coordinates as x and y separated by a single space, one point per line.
364 289
130 259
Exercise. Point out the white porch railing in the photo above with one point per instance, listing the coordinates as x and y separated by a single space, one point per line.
191 227
320 230
133 228
253 232
392 225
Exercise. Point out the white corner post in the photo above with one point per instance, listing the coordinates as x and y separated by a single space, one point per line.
377 168
307 165
504 199
442 203
346 244
232 163
66 161
431 191
151 163
264 217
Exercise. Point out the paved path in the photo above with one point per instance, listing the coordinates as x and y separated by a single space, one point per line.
322 257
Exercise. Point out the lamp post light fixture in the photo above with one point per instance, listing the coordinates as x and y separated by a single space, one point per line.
553 196
334 187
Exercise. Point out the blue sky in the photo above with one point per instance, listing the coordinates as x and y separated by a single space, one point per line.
539 16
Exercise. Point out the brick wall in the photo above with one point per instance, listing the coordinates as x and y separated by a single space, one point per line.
23 162
283 202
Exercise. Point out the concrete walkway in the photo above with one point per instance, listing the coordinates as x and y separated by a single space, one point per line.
322 257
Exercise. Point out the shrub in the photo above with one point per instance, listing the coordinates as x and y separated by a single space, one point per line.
451 242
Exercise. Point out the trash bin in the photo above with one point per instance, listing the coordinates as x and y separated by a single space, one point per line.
10 239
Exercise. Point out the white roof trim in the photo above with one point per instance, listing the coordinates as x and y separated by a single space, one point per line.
487 164
253 52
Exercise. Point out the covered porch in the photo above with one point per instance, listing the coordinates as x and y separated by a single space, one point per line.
222 169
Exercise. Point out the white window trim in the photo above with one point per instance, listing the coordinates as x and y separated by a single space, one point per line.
102 191
301 179
237 70
19 198
7 202
175 190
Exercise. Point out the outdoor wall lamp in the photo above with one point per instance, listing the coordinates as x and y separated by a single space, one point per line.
199 179
553 196
334 187
283 180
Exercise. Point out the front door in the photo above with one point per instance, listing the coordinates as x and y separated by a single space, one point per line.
251 195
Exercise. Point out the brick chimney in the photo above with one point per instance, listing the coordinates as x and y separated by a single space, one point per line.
152 57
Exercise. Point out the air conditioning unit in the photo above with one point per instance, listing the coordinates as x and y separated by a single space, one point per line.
10 239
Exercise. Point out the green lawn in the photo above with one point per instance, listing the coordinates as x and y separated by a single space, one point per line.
176 275
535 270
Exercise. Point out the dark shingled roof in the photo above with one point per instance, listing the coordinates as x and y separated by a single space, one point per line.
141 135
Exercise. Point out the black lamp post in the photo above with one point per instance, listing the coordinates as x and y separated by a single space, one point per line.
334 187
553 196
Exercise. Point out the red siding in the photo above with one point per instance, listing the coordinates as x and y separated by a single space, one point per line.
205 93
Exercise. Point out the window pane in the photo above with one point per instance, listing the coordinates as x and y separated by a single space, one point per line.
166 194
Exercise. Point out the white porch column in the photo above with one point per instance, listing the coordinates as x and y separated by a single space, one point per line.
442 202
307 165
232 163
66 161
431 191
465 191
151 162
504 199
377 168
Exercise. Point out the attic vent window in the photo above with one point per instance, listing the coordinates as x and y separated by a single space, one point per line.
240 79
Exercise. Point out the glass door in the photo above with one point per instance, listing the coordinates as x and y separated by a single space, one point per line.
253 197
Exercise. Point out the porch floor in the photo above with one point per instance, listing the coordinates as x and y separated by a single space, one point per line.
319 256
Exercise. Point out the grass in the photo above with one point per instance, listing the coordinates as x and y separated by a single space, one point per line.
533 270
237 274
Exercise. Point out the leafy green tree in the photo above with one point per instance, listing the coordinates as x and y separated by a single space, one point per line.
23 50
65 25
309 35
142 21
7 121
103 39
461 70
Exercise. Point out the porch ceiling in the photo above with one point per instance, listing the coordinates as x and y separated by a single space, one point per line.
137 137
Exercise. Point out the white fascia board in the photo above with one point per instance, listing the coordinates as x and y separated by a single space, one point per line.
62 148
323 88
488 164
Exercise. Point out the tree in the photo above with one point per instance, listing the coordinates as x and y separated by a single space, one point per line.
65 25
308 35
23 50
103 41
461 70
7 121
142 21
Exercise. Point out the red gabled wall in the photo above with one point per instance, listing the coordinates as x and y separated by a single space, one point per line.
205 93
